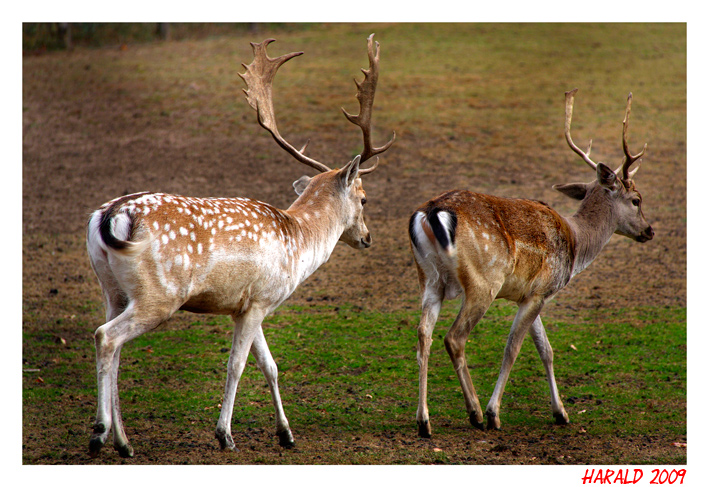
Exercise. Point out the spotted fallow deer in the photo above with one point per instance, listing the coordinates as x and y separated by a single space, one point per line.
487 247
158 253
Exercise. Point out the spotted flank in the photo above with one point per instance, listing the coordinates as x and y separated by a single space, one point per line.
194 222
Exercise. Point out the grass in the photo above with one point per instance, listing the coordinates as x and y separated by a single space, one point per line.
344 371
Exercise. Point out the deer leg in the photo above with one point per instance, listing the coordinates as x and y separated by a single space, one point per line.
470 314
109 338
120 440
547 355
526 315
431 307
246 326
116 303
265 362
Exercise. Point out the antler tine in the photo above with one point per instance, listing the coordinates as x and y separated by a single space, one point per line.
259 93
365 95
567 130
629 159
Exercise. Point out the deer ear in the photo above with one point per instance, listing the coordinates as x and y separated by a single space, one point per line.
301 184
576 191
349 173
606 177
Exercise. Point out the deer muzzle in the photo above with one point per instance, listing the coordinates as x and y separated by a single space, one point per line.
646 235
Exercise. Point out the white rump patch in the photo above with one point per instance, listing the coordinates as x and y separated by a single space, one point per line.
423 244
437 265
447 221
120 226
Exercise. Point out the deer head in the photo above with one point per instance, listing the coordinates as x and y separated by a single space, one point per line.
347 194
614 190
344 185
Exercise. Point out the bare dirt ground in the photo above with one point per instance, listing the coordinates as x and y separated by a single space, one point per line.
84 146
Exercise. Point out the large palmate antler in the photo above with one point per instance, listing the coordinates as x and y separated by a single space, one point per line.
259 77
259 80
365 96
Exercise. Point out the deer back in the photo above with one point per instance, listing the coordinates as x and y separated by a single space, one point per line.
517 247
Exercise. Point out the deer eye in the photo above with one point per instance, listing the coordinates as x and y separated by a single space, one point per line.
636 201
364 201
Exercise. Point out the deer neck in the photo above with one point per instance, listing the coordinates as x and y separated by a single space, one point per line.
314 228
592 227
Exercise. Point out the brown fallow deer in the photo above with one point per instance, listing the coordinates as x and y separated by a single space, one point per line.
158 253
487 247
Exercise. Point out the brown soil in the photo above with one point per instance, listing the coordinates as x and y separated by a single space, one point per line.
84 146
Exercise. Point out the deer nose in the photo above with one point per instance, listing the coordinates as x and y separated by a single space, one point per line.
366 241
647 234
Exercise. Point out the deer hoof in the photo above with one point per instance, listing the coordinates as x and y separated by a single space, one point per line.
285 439
561 418
477 421
424 429
98 439
493 421
226 442
95 445
125 451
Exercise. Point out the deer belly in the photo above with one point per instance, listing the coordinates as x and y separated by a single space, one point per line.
533 275
226 299
215 302
228 289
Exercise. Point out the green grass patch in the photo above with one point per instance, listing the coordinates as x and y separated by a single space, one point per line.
344 370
